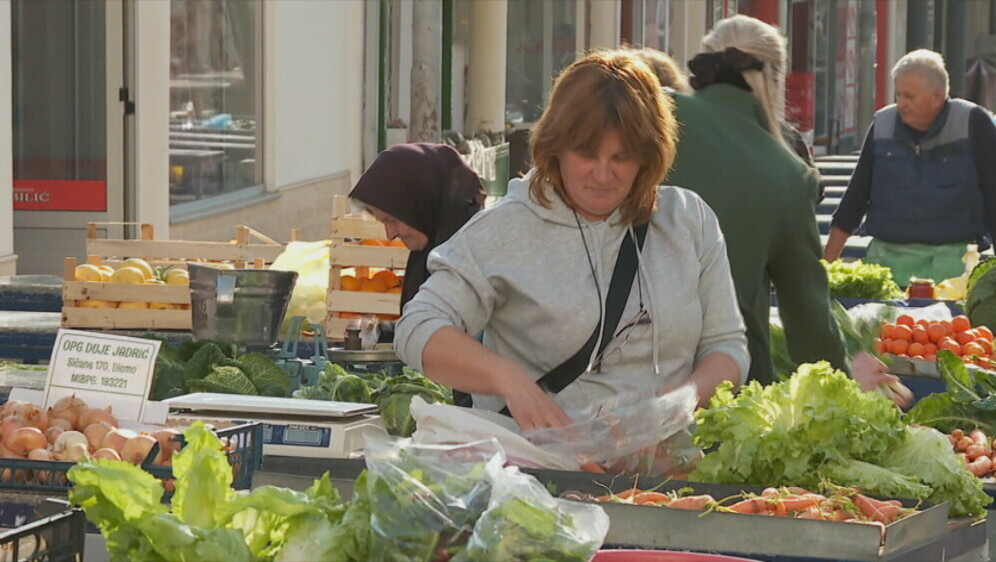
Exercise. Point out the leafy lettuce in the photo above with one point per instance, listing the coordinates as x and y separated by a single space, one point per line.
819 425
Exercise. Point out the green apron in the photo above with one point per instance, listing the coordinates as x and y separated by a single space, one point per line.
918 260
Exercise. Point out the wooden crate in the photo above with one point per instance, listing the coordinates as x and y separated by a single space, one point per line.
345 253
76 314
245 249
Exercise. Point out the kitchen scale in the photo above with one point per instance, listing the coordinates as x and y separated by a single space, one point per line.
292 426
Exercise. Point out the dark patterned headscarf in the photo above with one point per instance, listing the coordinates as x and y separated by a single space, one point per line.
426 186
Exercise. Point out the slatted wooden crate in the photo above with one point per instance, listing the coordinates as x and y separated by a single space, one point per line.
346 252
247 247
93 304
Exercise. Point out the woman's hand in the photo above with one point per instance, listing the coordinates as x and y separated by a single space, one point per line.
871 374
531 407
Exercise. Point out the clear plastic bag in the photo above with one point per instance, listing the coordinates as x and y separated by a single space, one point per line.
425 499
311 262
624 435
524 522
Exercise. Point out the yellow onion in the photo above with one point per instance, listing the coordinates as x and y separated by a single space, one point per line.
137 449
24 439
116 438
95 434
67 408
106 453
90 416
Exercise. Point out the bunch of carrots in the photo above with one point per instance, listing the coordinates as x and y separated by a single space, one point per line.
976 449
844 504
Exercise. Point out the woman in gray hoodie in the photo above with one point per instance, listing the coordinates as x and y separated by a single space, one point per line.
533 272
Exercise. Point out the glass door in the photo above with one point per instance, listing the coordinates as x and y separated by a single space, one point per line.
68 126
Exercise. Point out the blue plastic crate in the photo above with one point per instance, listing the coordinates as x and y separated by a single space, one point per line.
245 457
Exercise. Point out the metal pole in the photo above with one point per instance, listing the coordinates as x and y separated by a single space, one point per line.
954 50
427 37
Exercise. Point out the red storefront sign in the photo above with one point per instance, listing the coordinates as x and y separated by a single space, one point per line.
60 195
800 99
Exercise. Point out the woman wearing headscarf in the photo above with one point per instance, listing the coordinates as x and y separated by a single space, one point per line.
423 194
763 195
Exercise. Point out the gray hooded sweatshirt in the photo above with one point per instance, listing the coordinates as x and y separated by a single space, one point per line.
534 279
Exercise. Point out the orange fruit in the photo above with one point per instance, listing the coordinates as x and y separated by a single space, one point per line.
388 277
922 322
929 349
987 346
950 345
930 357
885 330
387 317
948 328
373 242
350 315
905 320
972 348
374 286
960 323
936 332
964 337
349 283
879 346
394 290
915 348
899 347
902 332
920 335
397 243
984 333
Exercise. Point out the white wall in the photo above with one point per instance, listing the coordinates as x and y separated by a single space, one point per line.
316 84
8 261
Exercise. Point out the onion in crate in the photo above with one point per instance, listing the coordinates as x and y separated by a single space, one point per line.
95 434
24 439
67 408
136 449
116 438
106 453
91 416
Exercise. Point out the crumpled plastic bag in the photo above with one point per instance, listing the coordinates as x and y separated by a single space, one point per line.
524 522
627 435
649 436
425 499
311 262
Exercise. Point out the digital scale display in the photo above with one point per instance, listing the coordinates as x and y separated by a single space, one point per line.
301 435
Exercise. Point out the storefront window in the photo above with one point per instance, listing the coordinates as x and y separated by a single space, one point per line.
650 22
215 98
541 42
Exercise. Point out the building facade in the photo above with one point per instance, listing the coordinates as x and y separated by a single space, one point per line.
199 115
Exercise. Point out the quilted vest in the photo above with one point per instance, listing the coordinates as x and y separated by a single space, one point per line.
926 192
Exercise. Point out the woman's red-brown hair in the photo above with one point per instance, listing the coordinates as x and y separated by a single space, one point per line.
602 91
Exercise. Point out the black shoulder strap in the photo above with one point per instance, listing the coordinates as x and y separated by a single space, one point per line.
619 288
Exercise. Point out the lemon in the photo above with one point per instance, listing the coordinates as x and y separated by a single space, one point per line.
88 272
141 265
107 268
154 282
96 303
128 275
133 305
177 277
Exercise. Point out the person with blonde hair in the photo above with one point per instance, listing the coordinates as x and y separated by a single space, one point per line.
731 153
588 280
667 70
925 183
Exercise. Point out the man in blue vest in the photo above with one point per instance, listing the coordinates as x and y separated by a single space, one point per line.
926 178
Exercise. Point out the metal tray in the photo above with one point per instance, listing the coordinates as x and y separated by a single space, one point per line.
742 534
362 356
677 529
243 404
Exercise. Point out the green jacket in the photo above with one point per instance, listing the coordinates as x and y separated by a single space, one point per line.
765 199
